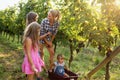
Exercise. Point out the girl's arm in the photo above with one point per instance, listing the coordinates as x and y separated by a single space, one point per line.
43 36
28 44
48 43
43 30
53 37
55 32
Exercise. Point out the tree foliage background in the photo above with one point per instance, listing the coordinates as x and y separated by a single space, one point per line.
83 23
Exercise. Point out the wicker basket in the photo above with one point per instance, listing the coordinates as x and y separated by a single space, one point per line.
53 76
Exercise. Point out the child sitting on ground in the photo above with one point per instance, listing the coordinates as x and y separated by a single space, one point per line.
59 66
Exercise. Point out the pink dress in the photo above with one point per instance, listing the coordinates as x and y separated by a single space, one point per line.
38 62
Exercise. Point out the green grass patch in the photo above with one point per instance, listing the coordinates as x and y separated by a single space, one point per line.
11 57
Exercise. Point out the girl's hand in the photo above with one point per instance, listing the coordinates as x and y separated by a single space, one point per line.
48 43
48 33
34 69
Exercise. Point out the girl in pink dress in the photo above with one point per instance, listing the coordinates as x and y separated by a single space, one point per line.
32 62
33 17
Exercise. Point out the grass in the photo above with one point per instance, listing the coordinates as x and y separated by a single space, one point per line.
11 57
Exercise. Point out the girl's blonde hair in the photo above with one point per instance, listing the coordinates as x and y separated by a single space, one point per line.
31 17
60 56
55 14
31 31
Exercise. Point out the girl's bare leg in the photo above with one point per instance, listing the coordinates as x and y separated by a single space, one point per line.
30 77
41 51
44 67
38 76
51 52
